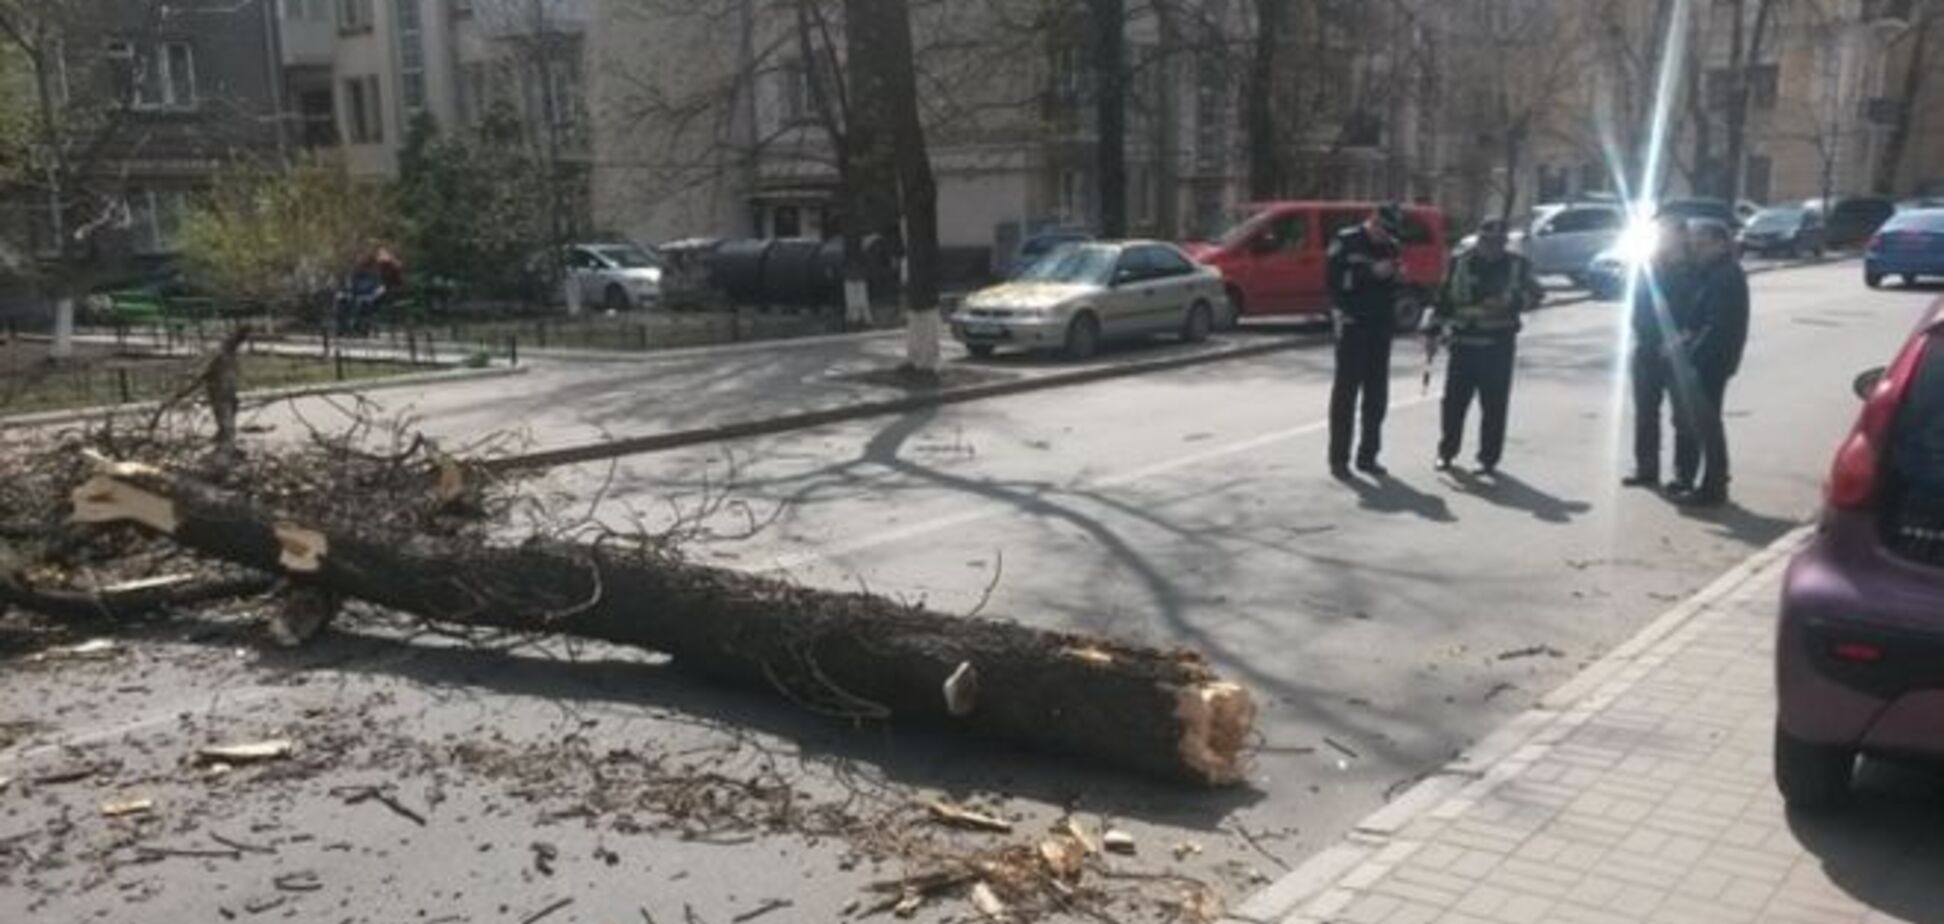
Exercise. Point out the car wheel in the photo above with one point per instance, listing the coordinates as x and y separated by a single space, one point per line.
980 350
616 299
1200 321
1579 281
1083 337
1812 777
1410 312
1236 306
1873 280
1909 280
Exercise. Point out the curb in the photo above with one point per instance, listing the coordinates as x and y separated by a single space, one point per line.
1486 764
264 395
659 442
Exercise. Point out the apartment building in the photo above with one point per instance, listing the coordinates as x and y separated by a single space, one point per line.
358 75
149 101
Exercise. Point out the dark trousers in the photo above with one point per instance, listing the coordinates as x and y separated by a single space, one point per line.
1650 382
1700 435
1482 371
1363 355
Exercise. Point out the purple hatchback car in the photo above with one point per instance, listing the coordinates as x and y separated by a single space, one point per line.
1860 655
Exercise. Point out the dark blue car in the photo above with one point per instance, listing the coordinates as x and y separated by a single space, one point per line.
1910 245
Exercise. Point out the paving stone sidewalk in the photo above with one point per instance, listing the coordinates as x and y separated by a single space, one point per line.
1645 795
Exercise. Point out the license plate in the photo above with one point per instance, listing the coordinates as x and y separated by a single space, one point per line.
984 330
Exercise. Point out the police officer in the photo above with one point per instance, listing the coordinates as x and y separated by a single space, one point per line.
1713 335
1661 293
1365 272
1478 315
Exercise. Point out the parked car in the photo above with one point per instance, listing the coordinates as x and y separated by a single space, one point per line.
616 275
1703 209
1035 248
1608 273
1851 221
1859 646
1562 242
1920 202
1784 231
1082 294
1273 262
1910 245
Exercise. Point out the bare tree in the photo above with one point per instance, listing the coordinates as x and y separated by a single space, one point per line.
1268 167
1746 42
1107 35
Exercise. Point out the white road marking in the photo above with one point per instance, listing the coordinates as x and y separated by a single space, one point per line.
797 560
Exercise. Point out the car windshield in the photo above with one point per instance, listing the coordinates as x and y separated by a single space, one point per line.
1922 220
627 256
1090 264
1244 227
1699 208
1775 219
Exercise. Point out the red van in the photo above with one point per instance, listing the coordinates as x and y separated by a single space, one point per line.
1274 261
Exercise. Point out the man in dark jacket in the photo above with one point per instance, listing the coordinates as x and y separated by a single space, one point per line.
1661 294
1365 272
1713 335
1478 314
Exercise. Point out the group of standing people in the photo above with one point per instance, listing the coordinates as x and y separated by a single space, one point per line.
1689 322
1690 327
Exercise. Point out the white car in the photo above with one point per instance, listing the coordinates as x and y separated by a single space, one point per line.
1085 293
615 276
1560 238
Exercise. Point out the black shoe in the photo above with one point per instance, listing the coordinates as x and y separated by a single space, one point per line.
1341 472
1641 480
1371 467
1443 464
1702 497
1488 469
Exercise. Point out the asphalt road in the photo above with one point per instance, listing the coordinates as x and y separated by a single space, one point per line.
1382 625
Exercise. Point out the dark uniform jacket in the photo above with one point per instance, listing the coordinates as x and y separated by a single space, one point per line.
1483 298
1672 288
1357 292
1715 319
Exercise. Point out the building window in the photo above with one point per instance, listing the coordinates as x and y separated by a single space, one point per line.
1073 196
1594 177
159 76
1069 76
320 127
462 9
411 58
354 16
363 111
154 219
1764 86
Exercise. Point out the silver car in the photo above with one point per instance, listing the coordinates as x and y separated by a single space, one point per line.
1081 294
616 276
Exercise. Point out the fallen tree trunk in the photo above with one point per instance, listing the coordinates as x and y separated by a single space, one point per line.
131 600
854 655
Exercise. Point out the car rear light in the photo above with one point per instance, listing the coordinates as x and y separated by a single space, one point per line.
1853 479
1857 652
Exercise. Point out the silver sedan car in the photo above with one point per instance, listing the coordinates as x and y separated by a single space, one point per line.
1082 294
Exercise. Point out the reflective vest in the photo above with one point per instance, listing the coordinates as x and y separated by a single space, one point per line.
1471 313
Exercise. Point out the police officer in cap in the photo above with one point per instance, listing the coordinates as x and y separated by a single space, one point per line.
1486 291
1365 273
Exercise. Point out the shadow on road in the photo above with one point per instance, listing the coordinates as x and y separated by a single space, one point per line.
1742 524
1390 495
1885 850
1512 492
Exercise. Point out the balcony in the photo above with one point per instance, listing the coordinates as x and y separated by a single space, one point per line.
517 18
308 42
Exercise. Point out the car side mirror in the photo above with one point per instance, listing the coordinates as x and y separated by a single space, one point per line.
1866 383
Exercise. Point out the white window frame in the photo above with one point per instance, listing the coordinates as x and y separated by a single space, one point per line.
355 16
160 65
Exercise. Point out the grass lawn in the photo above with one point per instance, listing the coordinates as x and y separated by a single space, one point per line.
90 380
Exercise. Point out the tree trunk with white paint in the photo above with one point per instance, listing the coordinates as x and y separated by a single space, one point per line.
857 656
924 331
63 347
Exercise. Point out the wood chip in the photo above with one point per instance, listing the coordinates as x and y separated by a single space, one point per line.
246 753
90 650
1186 849
1117 841
1078 832
1063 855
947 813
6 782
67 775
908 905
987 901
120 807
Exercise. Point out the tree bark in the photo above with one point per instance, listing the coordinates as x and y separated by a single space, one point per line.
1108 28
1747 55
1267 176
854 655
1897 141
